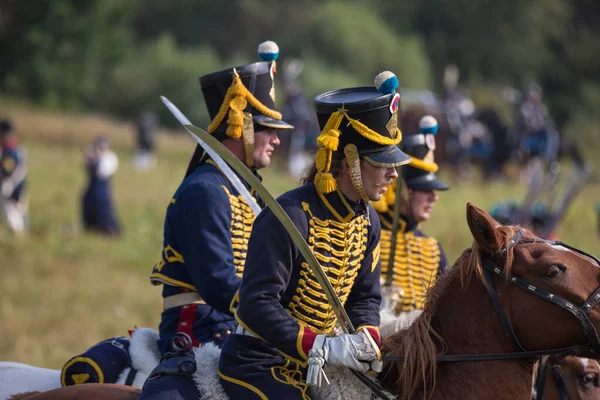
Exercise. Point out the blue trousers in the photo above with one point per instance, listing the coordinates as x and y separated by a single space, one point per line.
251 369
172 379
169 388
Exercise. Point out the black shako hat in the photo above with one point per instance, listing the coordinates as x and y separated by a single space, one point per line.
360 122
240 101
419 174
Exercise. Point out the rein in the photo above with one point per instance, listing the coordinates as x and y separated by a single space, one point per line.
540 382
493 265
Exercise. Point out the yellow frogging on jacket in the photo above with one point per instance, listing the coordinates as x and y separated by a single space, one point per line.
339 247
416 264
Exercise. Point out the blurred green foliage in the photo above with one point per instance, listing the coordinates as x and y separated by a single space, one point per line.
118 57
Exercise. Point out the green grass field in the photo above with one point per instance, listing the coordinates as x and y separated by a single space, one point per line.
64 290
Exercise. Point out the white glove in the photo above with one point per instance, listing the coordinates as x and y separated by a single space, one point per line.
356 351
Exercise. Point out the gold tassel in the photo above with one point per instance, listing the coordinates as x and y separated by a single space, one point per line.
234 131
237 98
325 182
235 118
329 139
322 160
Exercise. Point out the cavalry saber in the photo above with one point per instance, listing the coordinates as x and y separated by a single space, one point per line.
202 136
297 238
223 166
217 150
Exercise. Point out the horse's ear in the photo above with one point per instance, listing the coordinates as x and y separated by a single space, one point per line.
484 229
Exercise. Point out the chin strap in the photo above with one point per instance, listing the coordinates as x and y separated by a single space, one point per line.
353 159
248 136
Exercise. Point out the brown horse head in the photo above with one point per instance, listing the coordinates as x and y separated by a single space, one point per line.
555 268
571 378
460 318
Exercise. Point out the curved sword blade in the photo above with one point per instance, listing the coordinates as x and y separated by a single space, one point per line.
223 166
201 135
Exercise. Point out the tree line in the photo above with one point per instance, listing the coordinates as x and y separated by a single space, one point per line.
118 56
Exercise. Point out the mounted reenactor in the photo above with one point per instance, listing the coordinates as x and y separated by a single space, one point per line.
417 259
208 221
13 174
284 314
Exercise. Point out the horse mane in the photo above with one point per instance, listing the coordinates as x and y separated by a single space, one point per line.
419 343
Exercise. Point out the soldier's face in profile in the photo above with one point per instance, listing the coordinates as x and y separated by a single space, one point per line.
422 204
264 145
376 179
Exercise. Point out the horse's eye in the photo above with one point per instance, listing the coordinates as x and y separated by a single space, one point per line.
590 379
554 271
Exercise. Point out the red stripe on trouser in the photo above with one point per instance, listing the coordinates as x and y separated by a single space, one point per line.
187 314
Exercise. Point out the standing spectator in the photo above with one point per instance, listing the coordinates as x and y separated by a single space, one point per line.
145 158
13 173
98 211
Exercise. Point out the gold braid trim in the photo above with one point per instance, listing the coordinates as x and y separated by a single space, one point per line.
328 142
424 165
372 135
236 100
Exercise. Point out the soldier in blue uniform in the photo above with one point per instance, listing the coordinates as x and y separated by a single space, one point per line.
98 210
418 259
283 313
208 223
13 174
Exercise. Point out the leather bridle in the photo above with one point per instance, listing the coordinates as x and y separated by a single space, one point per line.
494 265
540 382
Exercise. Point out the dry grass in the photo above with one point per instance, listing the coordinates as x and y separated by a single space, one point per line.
64 291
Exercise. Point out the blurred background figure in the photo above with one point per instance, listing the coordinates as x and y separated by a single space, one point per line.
13 174
535 127
298 111
477 135
98 211
145 157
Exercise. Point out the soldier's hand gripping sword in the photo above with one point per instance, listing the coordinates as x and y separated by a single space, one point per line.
212 145
223 166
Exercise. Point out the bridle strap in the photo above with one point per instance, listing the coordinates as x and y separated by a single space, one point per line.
540 382
579 312
490 286
558 379
492 266
517 355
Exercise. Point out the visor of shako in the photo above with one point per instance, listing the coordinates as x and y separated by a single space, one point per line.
360 122
420 172
241 100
